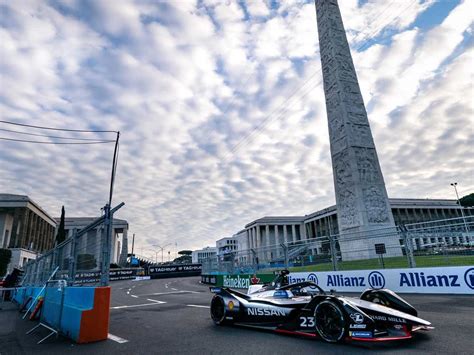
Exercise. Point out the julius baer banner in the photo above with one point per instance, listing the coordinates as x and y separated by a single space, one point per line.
459 280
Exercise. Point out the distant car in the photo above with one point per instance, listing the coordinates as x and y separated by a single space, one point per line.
305 309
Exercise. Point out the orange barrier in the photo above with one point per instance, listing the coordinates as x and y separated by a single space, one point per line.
95 322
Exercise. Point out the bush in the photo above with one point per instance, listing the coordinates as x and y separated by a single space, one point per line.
5 257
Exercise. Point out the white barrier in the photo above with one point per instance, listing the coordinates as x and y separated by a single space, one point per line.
452 280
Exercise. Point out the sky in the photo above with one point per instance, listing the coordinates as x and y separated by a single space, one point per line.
221 108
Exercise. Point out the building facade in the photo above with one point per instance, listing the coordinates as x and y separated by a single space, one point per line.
226 247
206 254
24 224
265 236
91 243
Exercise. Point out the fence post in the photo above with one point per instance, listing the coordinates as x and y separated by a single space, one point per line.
73 258
36 280
408 246
255 260
106 244
332 247
285 254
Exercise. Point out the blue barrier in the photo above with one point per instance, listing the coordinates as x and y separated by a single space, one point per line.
80 313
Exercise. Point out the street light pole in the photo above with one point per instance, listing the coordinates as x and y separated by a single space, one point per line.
162 248
455 184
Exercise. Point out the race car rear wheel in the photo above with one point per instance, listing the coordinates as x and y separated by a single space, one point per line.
330 321
218 310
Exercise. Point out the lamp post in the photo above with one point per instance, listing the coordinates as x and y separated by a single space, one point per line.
455 184
162 248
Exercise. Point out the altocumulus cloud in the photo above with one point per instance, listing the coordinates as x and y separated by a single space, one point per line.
221 106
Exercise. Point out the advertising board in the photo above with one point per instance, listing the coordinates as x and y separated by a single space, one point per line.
452 280
163 271
448 280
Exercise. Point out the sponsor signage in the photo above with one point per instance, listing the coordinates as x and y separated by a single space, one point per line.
114 275
361 334
210 279
253 311
180 270
236 281
459 279
449 280
174 268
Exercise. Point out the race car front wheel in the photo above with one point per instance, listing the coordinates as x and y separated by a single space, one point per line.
330 321
218 310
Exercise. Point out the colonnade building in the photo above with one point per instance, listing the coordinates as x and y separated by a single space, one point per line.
25 228
91 242
268 232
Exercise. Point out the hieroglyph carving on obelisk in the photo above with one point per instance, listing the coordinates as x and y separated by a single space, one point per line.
361 197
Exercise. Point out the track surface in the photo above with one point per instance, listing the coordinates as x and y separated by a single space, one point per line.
171 316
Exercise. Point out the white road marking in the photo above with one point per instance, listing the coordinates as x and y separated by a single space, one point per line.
174 289
197 306
152 300
116 338
134 296
137 305
167 293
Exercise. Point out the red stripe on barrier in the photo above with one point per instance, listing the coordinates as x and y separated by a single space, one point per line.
95 322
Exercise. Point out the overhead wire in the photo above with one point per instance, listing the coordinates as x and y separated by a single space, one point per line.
56 129
64 143
47 136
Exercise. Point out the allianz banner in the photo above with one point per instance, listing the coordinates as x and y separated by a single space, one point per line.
459 279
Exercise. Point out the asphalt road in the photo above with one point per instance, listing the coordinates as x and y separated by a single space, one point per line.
171 316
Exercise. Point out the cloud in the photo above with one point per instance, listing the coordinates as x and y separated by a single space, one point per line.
221 108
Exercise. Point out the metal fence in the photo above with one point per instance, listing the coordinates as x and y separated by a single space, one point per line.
448 242
84 256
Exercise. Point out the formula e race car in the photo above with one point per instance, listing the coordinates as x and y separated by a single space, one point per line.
303 308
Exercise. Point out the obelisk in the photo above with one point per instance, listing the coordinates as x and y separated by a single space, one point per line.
361 198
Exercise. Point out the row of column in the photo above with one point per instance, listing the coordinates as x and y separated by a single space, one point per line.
325 226
30 231
419 242
415 215
266 248
255 239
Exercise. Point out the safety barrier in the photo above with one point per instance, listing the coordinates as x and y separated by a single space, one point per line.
449 280
79 313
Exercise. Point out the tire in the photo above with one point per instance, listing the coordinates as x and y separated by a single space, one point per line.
330 321
218 310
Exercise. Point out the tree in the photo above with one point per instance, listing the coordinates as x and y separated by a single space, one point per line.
467 201
185 252
61 236
5 257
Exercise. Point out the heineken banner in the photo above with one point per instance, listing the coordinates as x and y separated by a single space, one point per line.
237 281
450 280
